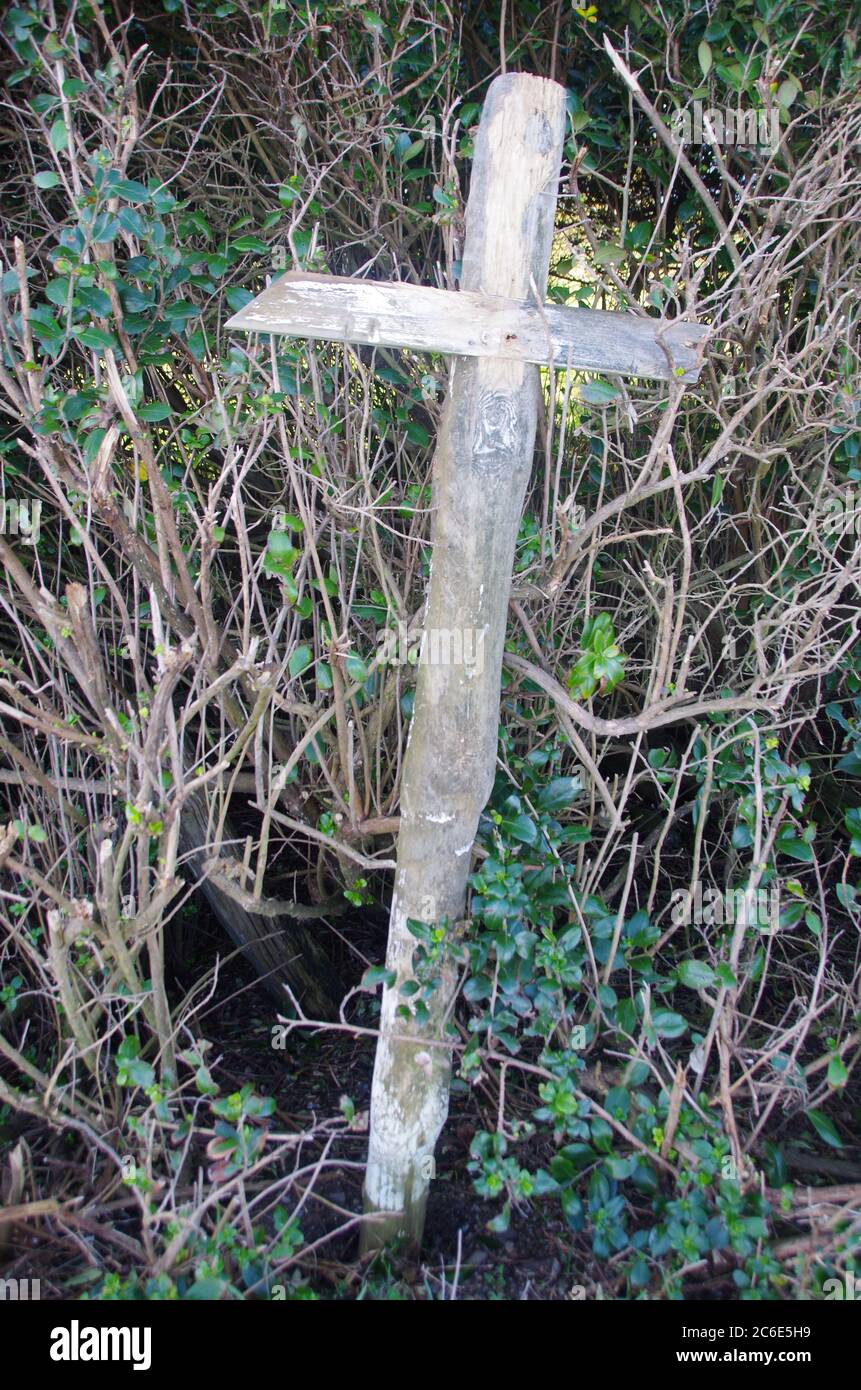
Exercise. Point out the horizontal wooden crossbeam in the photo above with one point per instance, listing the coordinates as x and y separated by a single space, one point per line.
392 314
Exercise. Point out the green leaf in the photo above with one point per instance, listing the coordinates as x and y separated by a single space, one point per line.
640 234
576 834
477 988
237 298
47 179
787 92
695 974
93 444
250 243
415 147
156 410
378 974
522 828
668 1024
279 545
825 1128
606 253
300 660
130 190
837 1073
58 293
59 136
417 434
139 1073
500 1223
558 793
95 338
639 1273
704 57
356 669
852 823
420 930
94 299
599 393
106 228
851 763
795 849
208 1290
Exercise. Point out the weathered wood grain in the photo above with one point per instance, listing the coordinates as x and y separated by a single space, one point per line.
481 469
474 324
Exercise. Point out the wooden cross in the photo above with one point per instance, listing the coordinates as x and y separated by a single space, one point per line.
394 314
495 330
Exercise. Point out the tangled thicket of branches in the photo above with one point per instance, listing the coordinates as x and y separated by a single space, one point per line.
194 689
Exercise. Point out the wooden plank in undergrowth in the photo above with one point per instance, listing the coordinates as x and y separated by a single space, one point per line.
398 315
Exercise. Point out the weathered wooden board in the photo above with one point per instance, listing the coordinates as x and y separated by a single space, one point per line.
396 315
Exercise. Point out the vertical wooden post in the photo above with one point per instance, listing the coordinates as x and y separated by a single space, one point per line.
481 468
